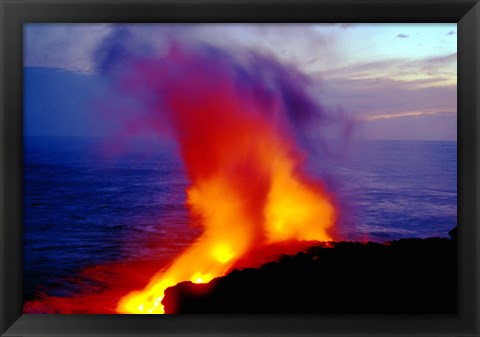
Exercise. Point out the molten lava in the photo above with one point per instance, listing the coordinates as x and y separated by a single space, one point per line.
235 125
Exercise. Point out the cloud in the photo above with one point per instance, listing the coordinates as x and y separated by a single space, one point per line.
384 89
297 44
438 70
67 46
441 59
402 36
402 115
440 126
436 65
383 108
73 46
451 33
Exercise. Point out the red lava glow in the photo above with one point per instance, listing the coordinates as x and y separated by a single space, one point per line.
101 288
247 187
248 193
97 289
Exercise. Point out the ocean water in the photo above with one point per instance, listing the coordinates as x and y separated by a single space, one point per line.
85 206
396 189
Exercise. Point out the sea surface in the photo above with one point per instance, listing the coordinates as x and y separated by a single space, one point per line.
88 202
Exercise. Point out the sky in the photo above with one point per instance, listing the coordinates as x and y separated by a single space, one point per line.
392 81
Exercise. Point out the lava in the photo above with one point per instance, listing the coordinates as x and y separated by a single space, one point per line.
239 123
236 124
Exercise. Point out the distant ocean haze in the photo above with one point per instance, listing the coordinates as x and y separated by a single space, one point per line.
82 207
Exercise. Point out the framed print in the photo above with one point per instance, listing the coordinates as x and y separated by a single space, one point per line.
239 168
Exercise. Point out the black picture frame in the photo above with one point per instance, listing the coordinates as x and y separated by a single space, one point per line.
14 13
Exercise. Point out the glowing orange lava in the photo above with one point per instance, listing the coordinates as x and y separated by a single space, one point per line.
254 196
247 188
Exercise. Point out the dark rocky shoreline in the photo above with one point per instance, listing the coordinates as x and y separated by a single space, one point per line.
407 276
